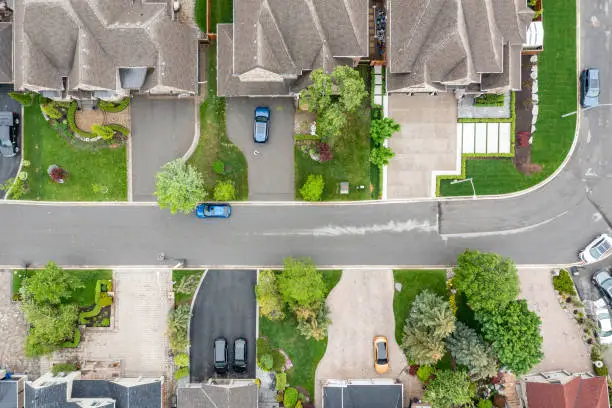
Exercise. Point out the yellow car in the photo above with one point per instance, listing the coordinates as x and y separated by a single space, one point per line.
381 355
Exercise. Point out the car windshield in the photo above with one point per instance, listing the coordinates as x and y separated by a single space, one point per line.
381 353
261 119
600 248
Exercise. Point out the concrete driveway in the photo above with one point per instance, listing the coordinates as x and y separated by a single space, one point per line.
427 142
163 129
224 307
563 346
270 163
361 307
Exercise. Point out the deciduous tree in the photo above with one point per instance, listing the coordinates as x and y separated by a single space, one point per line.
52 285
382 129
380 155
318 96
268 296
470 350
489 281
514 332
351 87
179 187
50 326
449 389
300 284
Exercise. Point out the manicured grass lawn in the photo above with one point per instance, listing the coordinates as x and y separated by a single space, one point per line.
214 144
557 92
305 354
413 282
44 147
84 297
177 275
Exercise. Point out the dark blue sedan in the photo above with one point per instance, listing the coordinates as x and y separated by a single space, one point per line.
205 210
261 128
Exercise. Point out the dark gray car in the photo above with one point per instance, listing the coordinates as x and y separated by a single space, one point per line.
603 281
9 123
220 355
240 355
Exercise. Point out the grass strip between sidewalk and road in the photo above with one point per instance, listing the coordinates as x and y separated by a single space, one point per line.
305 354
554 135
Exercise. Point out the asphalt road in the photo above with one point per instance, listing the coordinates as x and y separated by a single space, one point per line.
549 225
224 307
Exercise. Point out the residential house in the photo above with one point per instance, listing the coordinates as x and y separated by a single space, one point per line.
11 390
218 394
471 46
374 393
102 49
274 45
69 390
562 389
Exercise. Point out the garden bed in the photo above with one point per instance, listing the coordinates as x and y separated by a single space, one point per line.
102 319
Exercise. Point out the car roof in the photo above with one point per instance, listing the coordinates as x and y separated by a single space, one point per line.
593 73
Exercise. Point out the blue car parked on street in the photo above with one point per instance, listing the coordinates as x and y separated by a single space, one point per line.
213 210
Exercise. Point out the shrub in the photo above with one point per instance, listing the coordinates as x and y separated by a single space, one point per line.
58 174
51 111
266 361
104 131
425 372
76 340
106 322
281 381
484 403
181 373
382 129
290 398
224 191
119 129
278 361
24 98
380 155
414 369
312 190
112 106
306 137
563 283
325 153
601 371
181 360
263 347
218 167
489 100
298 404
313 323
63 368
268 296
188 284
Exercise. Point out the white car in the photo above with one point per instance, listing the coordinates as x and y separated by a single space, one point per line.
596 249
605 325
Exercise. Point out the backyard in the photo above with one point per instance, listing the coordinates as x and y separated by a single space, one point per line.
304 354
557 95
94 174
214 145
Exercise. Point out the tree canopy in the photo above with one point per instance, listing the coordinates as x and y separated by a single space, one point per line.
52 285
50 326
489 281
268 296
470 350
301 284
449 389
179 187
514 332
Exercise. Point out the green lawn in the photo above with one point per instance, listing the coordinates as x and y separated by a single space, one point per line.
84 297
86 167
305 354
413 282
554 135
214 144
177 275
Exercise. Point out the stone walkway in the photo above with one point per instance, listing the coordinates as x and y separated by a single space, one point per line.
85 118
466 109
121 118
13 328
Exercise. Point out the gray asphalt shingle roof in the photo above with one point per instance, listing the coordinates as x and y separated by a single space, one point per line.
363 396
214 396
8 394
6 52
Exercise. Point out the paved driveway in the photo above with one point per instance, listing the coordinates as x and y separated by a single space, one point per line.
361 307
9 165
271 163
563 346
224 306
162 130
427 142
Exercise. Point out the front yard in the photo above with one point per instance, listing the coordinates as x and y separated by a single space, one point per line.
554 135
94 174
214 145
304 354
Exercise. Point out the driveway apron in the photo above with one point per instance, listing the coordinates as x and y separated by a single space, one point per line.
270 163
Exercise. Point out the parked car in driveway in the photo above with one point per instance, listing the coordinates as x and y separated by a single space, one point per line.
220 355
603 280
589 88
212 210
261 127
605 325
9 134
240 355
596 249
381 355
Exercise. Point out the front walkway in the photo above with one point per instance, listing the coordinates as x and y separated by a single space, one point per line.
426 144
361 307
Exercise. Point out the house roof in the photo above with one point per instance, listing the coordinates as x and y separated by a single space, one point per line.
233 395
89 40
363 396
8 394
454 42
6 52
577 393
275 42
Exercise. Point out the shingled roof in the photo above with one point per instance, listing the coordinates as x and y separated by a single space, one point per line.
273 43
88 41
232 394
440 44
577 393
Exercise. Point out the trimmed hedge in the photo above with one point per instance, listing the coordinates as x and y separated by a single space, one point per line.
281 381
181 373
63 368
101 298
306 137
76 340
72 124
119 128
113 107
489 100
290 398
